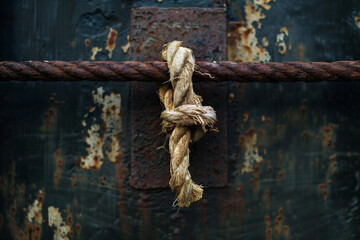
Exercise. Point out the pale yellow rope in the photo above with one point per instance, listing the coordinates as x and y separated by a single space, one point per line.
185 120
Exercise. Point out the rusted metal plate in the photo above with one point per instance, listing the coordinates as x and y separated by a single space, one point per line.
203 30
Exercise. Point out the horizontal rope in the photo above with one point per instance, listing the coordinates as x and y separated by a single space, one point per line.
158 72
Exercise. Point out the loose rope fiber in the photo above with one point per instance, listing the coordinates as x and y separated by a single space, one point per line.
185 120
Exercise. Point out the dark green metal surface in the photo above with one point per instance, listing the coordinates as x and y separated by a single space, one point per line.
307 134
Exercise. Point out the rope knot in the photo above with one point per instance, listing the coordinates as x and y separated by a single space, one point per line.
183 111
190 115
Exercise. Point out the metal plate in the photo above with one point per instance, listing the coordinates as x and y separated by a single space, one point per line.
203 30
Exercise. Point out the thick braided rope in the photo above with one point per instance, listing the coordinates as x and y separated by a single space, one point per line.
183 110
157 71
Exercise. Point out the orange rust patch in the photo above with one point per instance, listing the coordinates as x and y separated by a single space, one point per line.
111 41
87 42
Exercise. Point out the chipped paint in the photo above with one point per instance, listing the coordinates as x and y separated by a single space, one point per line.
111 41
357 21
243 44
35 209
94 51
110 106
126 47
280 40
248 143
55 220
95 157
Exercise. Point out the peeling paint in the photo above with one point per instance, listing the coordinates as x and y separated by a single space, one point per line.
35 209
55 220
280 40
248 143
111 41
126 47
95 157
94 51
357 21
110 106
243 44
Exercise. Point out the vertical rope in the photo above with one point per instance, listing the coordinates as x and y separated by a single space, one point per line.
183 111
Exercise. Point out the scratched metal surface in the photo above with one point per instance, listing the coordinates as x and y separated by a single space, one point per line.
305 136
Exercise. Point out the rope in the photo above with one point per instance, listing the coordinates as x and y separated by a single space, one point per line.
184 112
158 72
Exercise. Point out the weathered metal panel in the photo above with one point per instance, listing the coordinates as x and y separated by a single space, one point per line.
307 135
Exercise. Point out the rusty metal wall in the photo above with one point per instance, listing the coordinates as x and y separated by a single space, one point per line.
74 156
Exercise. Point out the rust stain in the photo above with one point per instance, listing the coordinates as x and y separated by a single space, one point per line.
322 189
59 165
111 41
94 51
78 229
278 223
280 176
280 40
268 230
87 42
55 220
333 166
127 46
248 144
286 231
50 116
328 136
306 135
357 21
243 44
